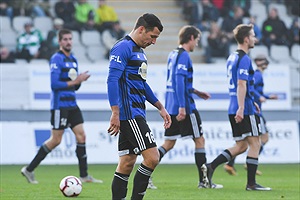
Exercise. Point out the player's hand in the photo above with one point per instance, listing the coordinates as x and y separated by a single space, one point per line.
273 96
166 117
181 114
83 76
114 127
239 116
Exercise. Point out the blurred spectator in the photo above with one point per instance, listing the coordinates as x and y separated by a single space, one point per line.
229 6
274 31
219 4
65 10
256 28
209 14
5 9
6 55
50 45
85 16
230 22
218 44
111 35
29 42
106 15
294 32
26 8
191 11
293 7
45 5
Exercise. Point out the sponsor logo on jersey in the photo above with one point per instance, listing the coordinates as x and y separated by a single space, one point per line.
244 71
181 66
115 58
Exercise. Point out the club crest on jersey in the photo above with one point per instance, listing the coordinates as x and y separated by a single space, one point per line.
244 71
72 74
143 70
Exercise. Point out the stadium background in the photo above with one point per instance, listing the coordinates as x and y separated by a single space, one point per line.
25 125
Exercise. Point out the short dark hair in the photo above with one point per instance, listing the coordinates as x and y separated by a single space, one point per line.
63 32
149 21
186 32
241 31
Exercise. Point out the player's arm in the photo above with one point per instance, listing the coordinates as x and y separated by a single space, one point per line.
151 98
241 94
113 97
203 95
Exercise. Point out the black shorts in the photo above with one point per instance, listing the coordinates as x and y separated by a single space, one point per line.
135 136
191 126
64 118
250 126
263 124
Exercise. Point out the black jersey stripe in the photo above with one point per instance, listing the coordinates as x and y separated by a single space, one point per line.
135 77
137 63
137 91
138 105
190 80
124 89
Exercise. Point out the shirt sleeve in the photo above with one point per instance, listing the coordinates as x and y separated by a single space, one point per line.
55 69
180 74
150 97
243 69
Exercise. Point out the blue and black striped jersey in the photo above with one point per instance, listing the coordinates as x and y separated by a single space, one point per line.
126 82
179 82
239 67
63 69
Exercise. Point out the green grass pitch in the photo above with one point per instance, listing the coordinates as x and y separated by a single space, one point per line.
174 182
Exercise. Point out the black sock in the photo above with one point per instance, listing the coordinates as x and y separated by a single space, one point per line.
42 153
140 182
231 162
119 186
225 156
200 159
82 159
162 151
252 164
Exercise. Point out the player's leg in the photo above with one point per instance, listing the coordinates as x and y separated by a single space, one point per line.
166 147
58 127
121 175
252 126
142 142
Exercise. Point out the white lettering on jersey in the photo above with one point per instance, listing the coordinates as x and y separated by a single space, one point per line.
181 66
115 58
244 71
53 65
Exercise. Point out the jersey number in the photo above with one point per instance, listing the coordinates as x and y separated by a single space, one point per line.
229 77
150 137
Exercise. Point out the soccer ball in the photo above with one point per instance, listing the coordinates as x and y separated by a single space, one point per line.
70 186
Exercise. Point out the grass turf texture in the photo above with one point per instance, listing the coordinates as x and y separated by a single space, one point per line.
174 182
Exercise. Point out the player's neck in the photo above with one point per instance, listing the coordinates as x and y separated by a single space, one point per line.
243 47
185 47
66 52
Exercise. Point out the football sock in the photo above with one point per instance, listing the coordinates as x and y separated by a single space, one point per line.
119 186
200 159
42 153
140 182
231 162
252 164
162 151
225 156
82 159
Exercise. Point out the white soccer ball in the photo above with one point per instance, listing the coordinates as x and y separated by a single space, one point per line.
70 186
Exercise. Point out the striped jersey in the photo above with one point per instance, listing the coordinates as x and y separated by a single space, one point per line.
63 69
259 88
179 82
239 67
126 83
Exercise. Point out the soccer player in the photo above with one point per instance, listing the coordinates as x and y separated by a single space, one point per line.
65 113
186 121
127 92
244 123
259 97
